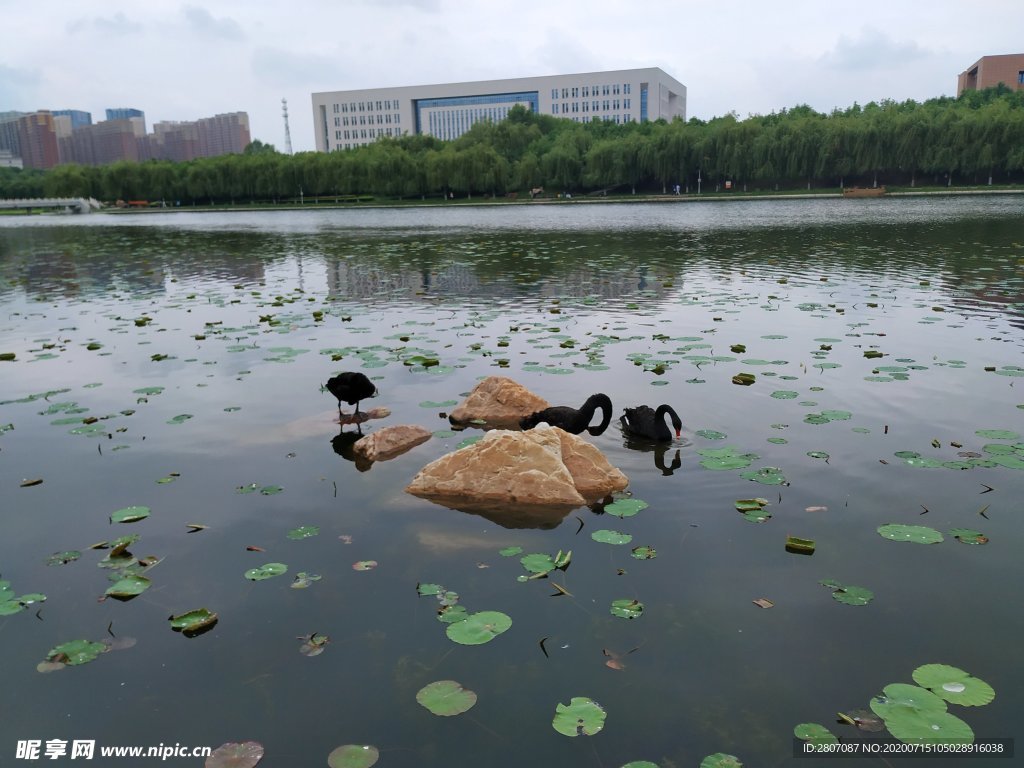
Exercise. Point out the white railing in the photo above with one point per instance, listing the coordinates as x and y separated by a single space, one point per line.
76 204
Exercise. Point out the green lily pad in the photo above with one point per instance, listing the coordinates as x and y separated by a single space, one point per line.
304 532
128 587
442 404
63 558
785 394
364 565
640 764
997 434
76 652
967 536
353 756
148 391
266 571
765 476
954 685
510 551
605 536
181 418
446 698
246 754
849 595
479 628
626 608
270 490
644 553
193 623
625 507
130 515
919 534
711 434
815 734
538 563
429 589
721 760
451 614
580 717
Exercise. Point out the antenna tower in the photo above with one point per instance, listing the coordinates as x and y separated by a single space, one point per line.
287 131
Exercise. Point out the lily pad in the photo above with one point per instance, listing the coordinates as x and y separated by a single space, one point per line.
721 760
63 558
847 594
580 717
510 551
538 563
479 628
967 536
129 587
611 537
246 754
625 507
954 685
364 565
625 608
304 579
784 394
919 534
353 756
266 571
130 515
194 622
644 553
815 734
446 698
76 652
303 532
181 418
765 476
997 434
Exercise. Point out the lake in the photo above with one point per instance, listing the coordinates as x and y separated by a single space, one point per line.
175 362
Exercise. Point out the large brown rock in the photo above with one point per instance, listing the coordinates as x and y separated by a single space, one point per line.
499 401
544 466
389 442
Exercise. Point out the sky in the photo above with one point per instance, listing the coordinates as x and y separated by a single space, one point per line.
188 60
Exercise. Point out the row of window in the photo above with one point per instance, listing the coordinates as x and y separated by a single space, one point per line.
586 91
590 106
364 120
366 133
383 105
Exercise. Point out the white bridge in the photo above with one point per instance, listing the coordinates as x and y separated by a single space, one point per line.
69 204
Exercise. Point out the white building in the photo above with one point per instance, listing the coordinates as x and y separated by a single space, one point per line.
347 119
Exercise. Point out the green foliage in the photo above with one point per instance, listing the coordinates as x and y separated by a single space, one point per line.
970 140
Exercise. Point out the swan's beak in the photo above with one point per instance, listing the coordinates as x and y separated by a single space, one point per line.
679 433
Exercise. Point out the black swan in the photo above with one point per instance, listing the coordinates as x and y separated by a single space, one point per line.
572 420
351 386
643 421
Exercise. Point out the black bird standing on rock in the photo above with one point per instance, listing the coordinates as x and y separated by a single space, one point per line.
572 420
643 421
351 386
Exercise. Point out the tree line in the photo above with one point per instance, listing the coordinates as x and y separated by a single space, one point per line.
975 139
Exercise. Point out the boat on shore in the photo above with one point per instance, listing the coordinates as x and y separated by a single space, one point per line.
863 191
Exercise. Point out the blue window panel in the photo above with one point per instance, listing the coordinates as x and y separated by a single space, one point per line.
643 102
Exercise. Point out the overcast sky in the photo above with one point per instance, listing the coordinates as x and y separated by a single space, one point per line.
188 60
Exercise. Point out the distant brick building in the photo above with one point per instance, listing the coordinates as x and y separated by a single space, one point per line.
990 71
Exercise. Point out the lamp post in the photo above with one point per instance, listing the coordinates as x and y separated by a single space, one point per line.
302 199
698 181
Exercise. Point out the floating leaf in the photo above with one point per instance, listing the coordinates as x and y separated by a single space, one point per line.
130 515
510 551
63 558
266 571
194 622
605 536
815 734
429 589
538 563
479 628
314 644
954 685
353 756
303 579
644 553
710 434
721 760
625 608
446 698
303 532
784 394
997 434
246 754
967 536
364 565
801 546
128 587
849 595
180 418
76 652
625 507
919 534
766 476
580 717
